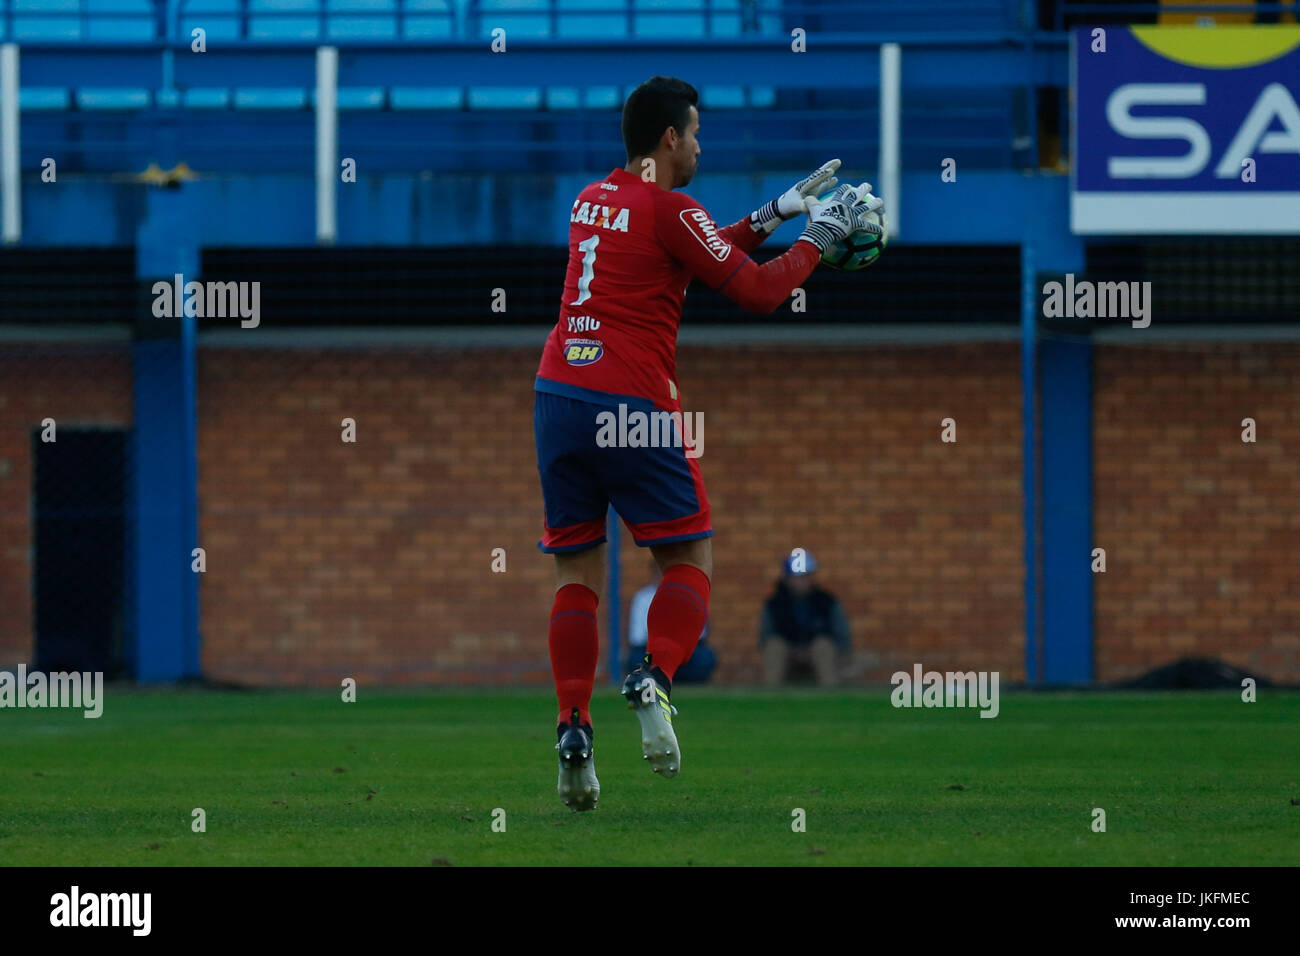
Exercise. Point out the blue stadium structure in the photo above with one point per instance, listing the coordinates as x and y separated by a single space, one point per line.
476 121
101 69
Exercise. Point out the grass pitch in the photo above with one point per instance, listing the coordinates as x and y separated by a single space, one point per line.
413 779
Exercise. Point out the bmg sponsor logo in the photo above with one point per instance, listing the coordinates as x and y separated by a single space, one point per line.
703 229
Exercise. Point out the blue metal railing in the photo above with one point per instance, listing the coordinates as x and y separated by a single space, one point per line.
462 19
748 15
468 19
321 16
80 19
73 21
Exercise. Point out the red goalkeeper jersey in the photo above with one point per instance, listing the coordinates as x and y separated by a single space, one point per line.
633 250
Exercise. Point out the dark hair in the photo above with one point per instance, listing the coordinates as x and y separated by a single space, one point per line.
655 105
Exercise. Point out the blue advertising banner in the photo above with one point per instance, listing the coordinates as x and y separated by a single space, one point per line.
1186 130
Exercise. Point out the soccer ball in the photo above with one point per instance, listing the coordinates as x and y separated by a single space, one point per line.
860 249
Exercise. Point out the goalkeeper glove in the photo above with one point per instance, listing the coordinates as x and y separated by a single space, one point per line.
794 200
840 215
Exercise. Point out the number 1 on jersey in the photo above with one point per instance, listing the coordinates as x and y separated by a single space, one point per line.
588 247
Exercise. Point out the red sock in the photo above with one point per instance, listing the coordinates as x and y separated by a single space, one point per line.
574 647
677 616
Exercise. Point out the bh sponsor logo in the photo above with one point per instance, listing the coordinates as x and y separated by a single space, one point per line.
580 352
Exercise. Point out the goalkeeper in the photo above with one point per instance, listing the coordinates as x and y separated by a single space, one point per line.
634 246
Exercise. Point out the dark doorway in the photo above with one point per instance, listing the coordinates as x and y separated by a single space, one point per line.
79 503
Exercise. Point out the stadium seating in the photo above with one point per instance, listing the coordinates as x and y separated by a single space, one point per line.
979 122
371 20
74 20
333 21
589 20
343 21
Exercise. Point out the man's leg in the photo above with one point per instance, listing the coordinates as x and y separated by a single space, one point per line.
680 608
574 638
697 553
665 489
676 619
776 655
574 508
825 659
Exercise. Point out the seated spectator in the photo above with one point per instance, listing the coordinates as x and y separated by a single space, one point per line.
803 627
697 670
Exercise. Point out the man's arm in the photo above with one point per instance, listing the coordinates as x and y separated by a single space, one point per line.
743 235
693 239
762 288
748 234
844 212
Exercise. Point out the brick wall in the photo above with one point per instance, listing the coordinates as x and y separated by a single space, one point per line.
76 387
373 560
1201 531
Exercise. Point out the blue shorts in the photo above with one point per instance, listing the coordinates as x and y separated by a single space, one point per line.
657 491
